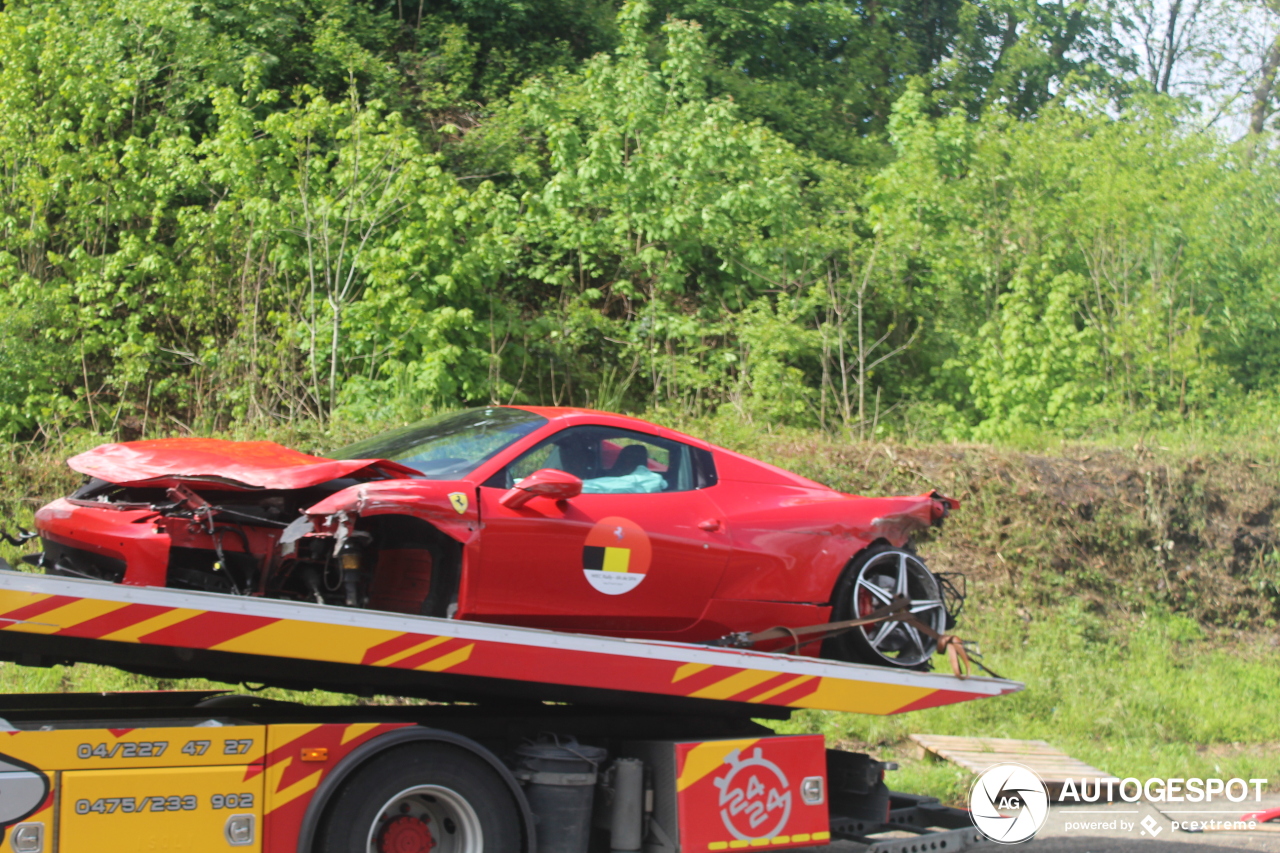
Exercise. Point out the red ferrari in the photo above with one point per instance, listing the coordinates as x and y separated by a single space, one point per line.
567 519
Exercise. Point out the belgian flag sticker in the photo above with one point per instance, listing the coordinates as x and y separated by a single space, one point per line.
616 555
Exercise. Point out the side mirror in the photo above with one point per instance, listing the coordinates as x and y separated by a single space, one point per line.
545 483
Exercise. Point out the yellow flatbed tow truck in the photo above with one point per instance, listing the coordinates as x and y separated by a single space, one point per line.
531 740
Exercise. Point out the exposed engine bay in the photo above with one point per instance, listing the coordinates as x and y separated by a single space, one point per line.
262 543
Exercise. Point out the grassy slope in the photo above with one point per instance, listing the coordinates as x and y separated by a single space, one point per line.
1136 591
1145 701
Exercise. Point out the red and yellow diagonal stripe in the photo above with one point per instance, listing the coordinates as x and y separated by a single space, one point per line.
226 632
290 780
612 665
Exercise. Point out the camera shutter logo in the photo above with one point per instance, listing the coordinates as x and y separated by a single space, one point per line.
1008 803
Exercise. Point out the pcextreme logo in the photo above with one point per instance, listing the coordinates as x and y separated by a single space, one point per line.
1009 803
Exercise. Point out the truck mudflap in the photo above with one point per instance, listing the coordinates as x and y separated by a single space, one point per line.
863 808
933 826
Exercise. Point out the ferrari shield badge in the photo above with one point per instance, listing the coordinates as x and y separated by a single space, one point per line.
616 556
459 501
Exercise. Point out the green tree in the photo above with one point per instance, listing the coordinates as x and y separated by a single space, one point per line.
643 199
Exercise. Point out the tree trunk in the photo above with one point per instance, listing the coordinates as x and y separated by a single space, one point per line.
1261 111
1170 49
333 357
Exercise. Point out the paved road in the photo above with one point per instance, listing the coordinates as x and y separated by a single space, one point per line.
1073 845
1122 845
1064 827
1090 844
1062 832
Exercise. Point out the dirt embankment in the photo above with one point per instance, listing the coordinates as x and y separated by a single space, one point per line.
1119 529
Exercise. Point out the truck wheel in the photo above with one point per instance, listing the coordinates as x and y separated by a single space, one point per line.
872 579
422 797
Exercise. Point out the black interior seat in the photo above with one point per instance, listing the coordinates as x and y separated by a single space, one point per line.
630 458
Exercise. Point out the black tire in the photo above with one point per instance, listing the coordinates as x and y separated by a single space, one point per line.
862 587
461 802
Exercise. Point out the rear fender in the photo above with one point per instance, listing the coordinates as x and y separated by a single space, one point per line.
895 519
796 552
449 507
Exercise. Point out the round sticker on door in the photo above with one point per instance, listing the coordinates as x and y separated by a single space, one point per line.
616 556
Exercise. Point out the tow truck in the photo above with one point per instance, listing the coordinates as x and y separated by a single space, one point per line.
523 740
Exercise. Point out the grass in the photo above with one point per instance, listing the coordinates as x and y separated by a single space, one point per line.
1148 697
91 678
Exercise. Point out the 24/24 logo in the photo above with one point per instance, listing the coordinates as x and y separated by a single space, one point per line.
755 797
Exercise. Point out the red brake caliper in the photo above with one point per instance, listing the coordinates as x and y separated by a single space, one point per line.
406 834
866 603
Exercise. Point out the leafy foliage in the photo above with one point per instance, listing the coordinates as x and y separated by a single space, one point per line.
856 216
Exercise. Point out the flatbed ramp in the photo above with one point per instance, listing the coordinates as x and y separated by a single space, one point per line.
175 633
1052 765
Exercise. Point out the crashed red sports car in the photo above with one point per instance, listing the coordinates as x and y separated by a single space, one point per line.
558 518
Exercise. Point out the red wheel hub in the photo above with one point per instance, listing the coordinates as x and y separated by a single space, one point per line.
406 834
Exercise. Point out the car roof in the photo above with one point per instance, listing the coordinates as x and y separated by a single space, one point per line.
574 414
733 466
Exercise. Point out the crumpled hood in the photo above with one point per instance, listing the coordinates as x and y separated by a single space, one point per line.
238 464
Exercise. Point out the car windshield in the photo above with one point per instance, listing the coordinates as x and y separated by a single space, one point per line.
449 446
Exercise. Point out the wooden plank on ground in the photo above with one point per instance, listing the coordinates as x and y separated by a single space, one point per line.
1052 765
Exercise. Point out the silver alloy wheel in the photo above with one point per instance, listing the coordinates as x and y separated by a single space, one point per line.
452 822
883 578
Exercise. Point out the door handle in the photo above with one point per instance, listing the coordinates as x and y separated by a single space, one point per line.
711 525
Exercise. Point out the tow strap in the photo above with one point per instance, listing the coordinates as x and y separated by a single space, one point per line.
959 653
18 541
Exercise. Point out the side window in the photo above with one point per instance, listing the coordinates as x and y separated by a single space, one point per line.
543 456
632 464
614 461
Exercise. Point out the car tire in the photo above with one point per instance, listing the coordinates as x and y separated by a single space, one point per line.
423 796
872 579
